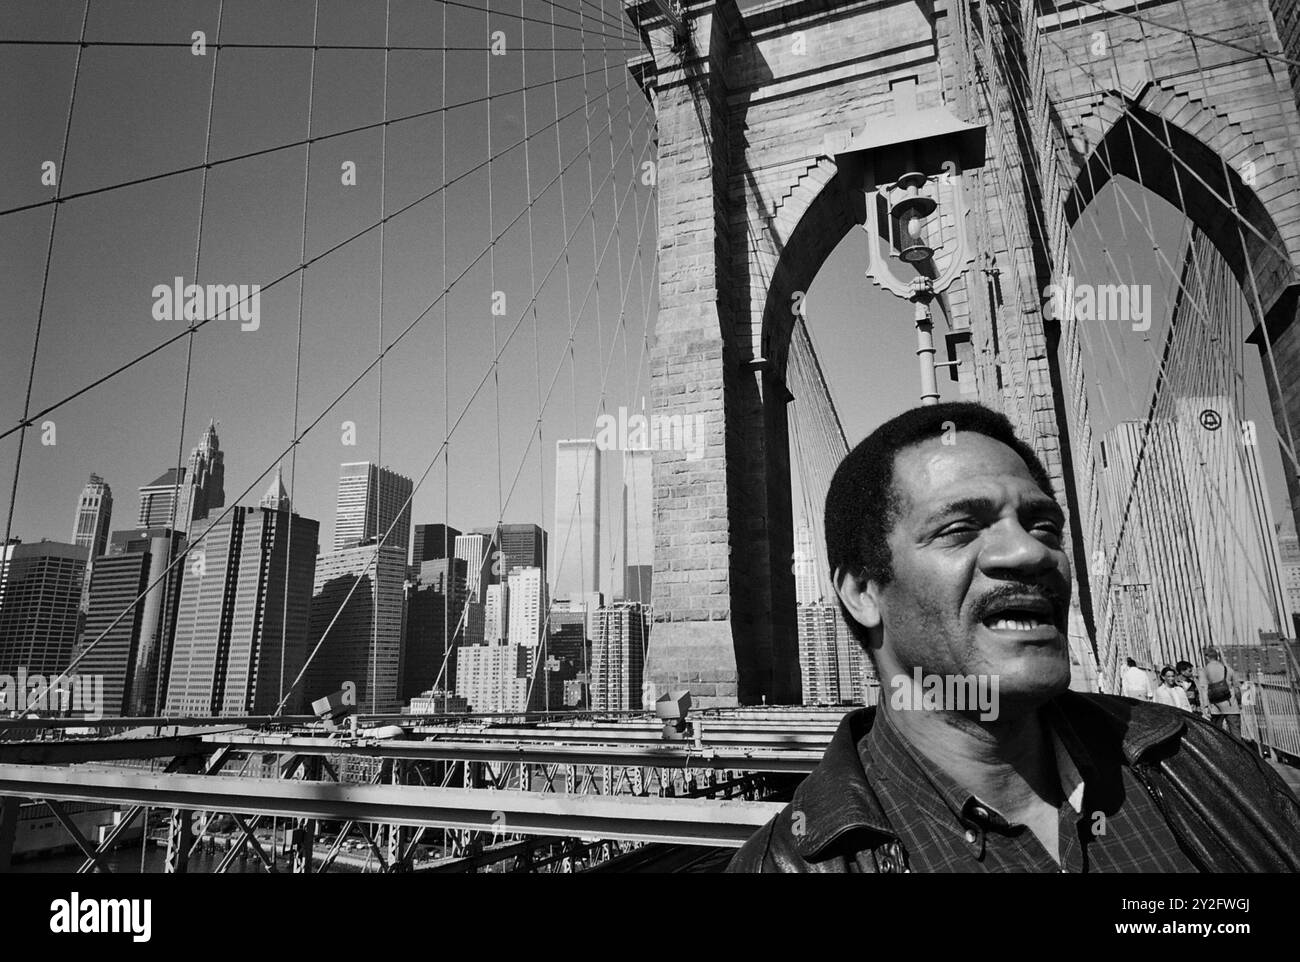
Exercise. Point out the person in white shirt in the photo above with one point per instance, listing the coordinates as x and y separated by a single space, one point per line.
1170 692
1135 682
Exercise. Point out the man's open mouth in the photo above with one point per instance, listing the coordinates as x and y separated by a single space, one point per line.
1021 614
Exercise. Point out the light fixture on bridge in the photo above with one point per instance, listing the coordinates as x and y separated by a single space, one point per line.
909 168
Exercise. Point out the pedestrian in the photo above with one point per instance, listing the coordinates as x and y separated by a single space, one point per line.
1170 692
951 560
1135 683
1187 678
1249 723
1218 685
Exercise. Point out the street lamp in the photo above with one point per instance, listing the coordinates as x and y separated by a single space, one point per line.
914 212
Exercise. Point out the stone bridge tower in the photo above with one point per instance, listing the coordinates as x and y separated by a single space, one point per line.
755 112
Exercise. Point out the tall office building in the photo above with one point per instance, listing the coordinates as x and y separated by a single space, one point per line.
94 514
521 546
527 597
40 599
618 657
90 529
433 541
241 623
435 602
835 669
569 652
129 647
638 526
364 644
474 550
198 489
372 500
575 552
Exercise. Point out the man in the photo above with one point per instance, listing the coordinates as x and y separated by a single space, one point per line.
1218 689
1187 678
948 552
1135 682
1170 692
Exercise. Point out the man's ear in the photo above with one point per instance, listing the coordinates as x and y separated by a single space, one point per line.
860 596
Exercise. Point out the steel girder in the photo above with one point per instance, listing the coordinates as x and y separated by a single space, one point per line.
681 820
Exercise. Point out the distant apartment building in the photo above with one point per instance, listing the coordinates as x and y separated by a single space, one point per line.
475 551
618 657
495 677
527 606
833 666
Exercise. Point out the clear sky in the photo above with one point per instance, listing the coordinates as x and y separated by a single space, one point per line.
143 110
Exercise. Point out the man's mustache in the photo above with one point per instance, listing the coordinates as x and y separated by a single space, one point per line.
1013 591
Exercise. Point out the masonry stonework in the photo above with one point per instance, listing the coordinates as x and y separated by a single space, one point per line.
751 111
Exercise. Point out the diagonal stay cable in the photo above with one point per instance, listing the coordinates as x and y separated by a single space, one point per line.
263 151
381 540
5 550
28 419
320 417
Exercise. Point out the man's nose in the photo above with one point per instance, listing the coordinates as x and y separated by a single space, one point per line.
1013 549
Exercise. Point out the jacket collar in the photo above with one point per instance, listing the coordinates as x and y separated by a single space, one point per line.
836 798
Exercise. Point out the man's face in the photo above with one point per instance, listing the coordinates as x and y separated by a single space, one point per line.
1187 672
981 580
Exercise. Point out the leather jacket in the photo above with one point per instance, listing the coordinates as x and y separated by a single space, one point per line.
1227 808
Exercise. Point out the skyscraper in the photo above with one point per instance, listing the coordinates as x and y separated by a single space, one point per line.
496 677
521 546
806 587
575 553
638 526
90 530
372 500
496 614
361 628
130 651
527 598
618 657
834 668
433 541
94 514
241 623
473 550
196 490
40 597
435 602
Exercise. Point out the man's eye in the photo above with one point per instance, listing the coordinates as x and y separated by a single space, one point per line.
959 528
1050 528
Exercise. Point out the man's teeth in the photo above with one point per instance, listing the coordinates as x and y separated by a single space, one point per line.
1015 624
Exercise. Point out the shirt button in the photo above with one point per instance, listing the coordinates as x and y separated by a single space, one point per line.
970 837
981 812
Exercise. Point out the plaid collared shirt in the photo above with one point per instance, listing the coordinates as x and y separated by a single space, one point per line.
1108 821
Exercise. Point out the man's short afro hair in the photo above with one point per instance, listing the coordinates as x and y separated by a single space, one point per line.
861 502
